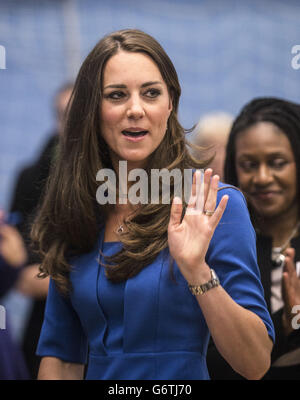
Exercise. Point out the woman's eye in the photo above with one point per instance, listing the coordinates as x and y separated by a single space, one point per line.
247 165
117 95
278 163
152 93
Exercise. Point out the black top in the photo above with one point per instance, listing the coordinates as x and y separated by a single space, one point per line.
219 368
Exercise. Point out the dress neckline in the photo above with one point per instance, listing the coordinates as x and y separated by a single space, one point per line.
110 244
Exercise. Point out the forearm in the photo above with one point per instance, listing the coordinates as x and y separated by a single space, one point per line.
52 368
240 335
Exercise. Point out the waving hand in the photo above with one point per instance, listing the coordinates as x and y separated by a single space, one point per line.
189 238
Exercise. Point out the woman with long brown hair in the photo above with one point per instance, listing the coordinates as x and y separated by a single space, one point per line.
115 301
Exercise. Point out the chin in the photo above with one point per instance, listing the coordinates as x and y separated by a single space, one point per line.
269 213
136 156
140 162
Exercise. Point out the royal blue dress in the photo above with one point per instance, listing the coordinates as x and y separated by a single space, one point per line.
151 326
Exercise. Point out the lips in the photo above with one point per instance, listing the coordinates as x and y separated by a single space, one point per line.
267 195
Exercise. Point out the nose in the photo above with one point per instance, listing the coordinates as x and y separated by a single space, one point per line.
135 108
263 176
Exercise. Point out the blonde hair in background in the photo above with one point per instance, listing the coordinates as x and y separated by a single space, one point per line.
211 133
212 126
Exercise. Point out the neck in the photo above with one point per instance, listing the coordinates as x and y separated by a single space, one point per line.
123 210
279 227
130 165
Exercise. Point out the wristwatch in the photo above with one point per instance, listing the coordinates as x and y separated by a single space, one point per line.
201 289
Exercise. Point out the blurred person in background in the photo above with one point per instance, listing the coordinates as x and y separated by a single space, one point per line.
211 133
263 160
28 191
13 256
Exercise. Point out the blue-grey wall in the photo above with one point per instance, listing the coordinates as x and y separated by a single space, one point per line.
225 51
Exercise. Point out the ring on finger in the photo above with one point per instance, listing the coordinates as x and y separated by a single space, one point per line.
208 213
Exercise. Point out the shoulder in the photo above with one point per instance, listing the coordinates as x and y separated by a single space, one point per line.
236 212
235 195
225 188
235 228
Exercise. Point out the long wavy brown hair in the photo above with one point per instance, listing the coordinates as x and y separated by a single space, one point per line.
69 220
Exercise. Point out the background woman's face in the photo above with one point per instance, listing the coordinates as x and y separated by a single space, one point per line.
266 169
135 108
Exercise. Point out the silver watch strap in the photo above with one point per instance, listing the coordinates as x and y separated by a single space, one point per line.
200 289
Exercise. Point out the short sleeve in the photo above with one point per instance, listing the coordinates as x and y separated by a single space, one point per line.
232 254
62 335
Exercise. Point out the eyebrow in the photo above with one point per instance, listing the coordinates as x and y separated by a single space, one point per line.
253 156
122 86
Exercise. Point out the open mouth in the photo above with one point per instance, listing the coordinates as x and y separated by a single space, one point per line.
134 133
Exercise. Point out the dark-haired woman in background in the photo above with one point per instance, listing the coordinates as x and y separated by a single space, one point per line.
263 160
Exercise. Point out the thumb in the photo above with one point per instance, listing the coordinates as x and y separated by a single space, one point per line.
175 214
289 260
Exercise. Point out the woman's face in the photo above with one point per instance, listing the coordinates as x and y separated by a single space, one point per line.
135 108
266 169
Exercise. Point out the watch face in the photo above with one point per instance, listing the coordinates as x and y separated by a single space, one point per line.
213 274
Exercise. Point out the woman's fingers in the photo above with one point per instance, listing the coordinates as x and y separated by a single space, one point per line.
199 191
217 215
203 189
211 200
289 261
207 180
203 198
191 207
192 199
203 193
176 212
